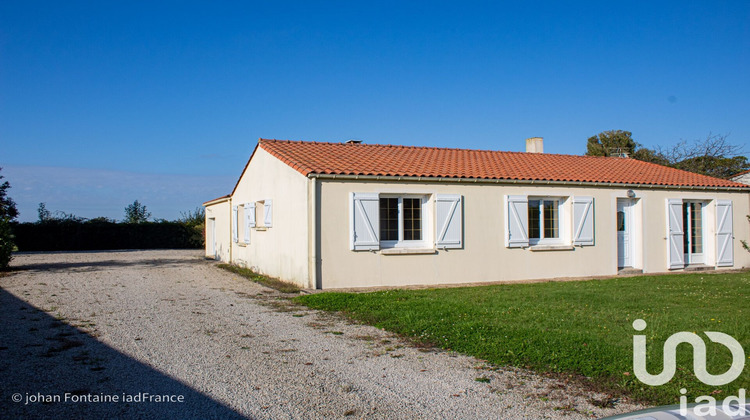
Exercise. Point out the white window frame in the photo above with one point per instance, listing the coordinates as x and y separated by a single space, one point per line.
401 243
561 231
689 256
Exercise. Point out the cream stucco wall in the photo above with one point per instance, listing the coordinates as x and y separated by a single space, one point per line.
282 249
484 256
218 234
653 208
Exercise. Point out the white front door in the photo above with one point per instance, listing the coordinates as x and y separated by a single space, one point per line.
624 233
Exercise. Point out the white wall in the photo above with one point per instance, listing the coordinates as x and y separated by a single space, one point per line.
218 213
281 250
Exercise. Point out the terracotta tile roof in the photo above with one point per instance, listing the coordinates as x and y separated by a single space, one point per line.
388 160
740 174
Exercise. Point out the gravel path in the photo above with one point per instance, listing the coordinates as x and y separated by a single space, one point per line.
211 344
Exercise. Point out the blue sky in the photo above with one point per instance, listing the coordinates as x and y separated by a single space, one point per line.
102 103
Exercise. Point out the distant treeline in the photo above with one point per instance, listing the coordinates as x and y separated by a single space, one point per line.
103 234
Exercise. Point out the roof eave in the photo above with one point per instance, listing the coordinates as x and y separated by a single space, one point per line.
523 182
217 200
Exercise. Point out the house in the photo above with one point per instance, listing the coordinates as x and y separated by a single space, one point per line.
334 215
742 177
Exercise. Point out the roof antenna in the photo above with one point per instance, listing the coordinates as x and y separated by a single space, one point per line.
619 152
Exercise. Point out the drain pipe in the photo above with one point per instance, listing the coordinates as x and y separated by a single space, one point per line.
312 233
231 241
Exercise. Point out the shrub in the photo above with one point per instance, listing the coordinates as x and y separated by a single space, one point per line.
100 233
6 244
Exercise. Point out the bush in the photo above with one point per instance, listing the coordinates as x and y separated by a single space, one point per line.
100 234
8 213
6 244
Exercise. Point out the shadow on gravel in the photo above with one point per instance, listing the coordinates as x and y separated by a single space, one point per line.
45 357
87 266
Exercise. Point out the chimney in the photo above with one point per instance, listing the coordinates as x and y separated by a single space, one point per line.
535 145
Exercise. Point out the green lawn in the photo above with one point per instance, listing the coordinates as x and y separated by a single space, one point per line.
583 327
271 282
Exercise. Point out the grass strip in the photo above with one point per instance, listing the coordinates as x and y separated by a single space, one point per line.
271 282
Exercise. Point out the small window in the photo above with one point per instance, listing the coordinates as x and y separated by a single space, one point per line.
389 219
544 220
412 219
401 220
692 226
534 222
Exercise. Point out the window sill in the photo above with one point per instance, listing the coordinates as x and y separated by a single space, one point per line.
407 251
536 248
261 229
243 244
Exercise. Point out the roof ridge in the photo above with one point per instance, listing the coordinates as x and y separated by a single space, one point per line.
434 148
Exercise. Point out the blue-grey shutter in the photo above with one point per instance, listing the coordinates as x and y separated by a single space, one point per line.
268 213
517 221
675 234
235 234
448 221
583 221
364 217
724 234
248 219
251 217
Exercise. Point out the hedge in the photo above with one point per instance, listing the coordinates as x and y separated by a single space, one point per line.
73 235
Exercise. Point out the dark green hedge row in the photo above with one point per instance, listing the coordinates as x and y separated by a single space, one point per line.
67 235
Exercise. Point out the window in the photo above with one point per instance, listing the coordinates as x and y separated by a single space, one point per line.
389 219
382 221
544 220
565 221
412 219
401 220
249 213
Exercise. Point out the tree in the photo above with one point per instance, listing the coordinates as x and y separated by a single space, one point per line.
44 214
196 221
609 142
8 213
7 205
649 155
712 156
193 218
136 213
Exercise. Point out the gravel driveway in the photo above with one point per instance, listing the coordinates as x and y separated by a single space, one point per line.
145 334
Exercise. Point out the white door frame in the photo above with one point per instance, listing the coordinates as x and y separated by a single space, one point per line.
690 257
624 240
